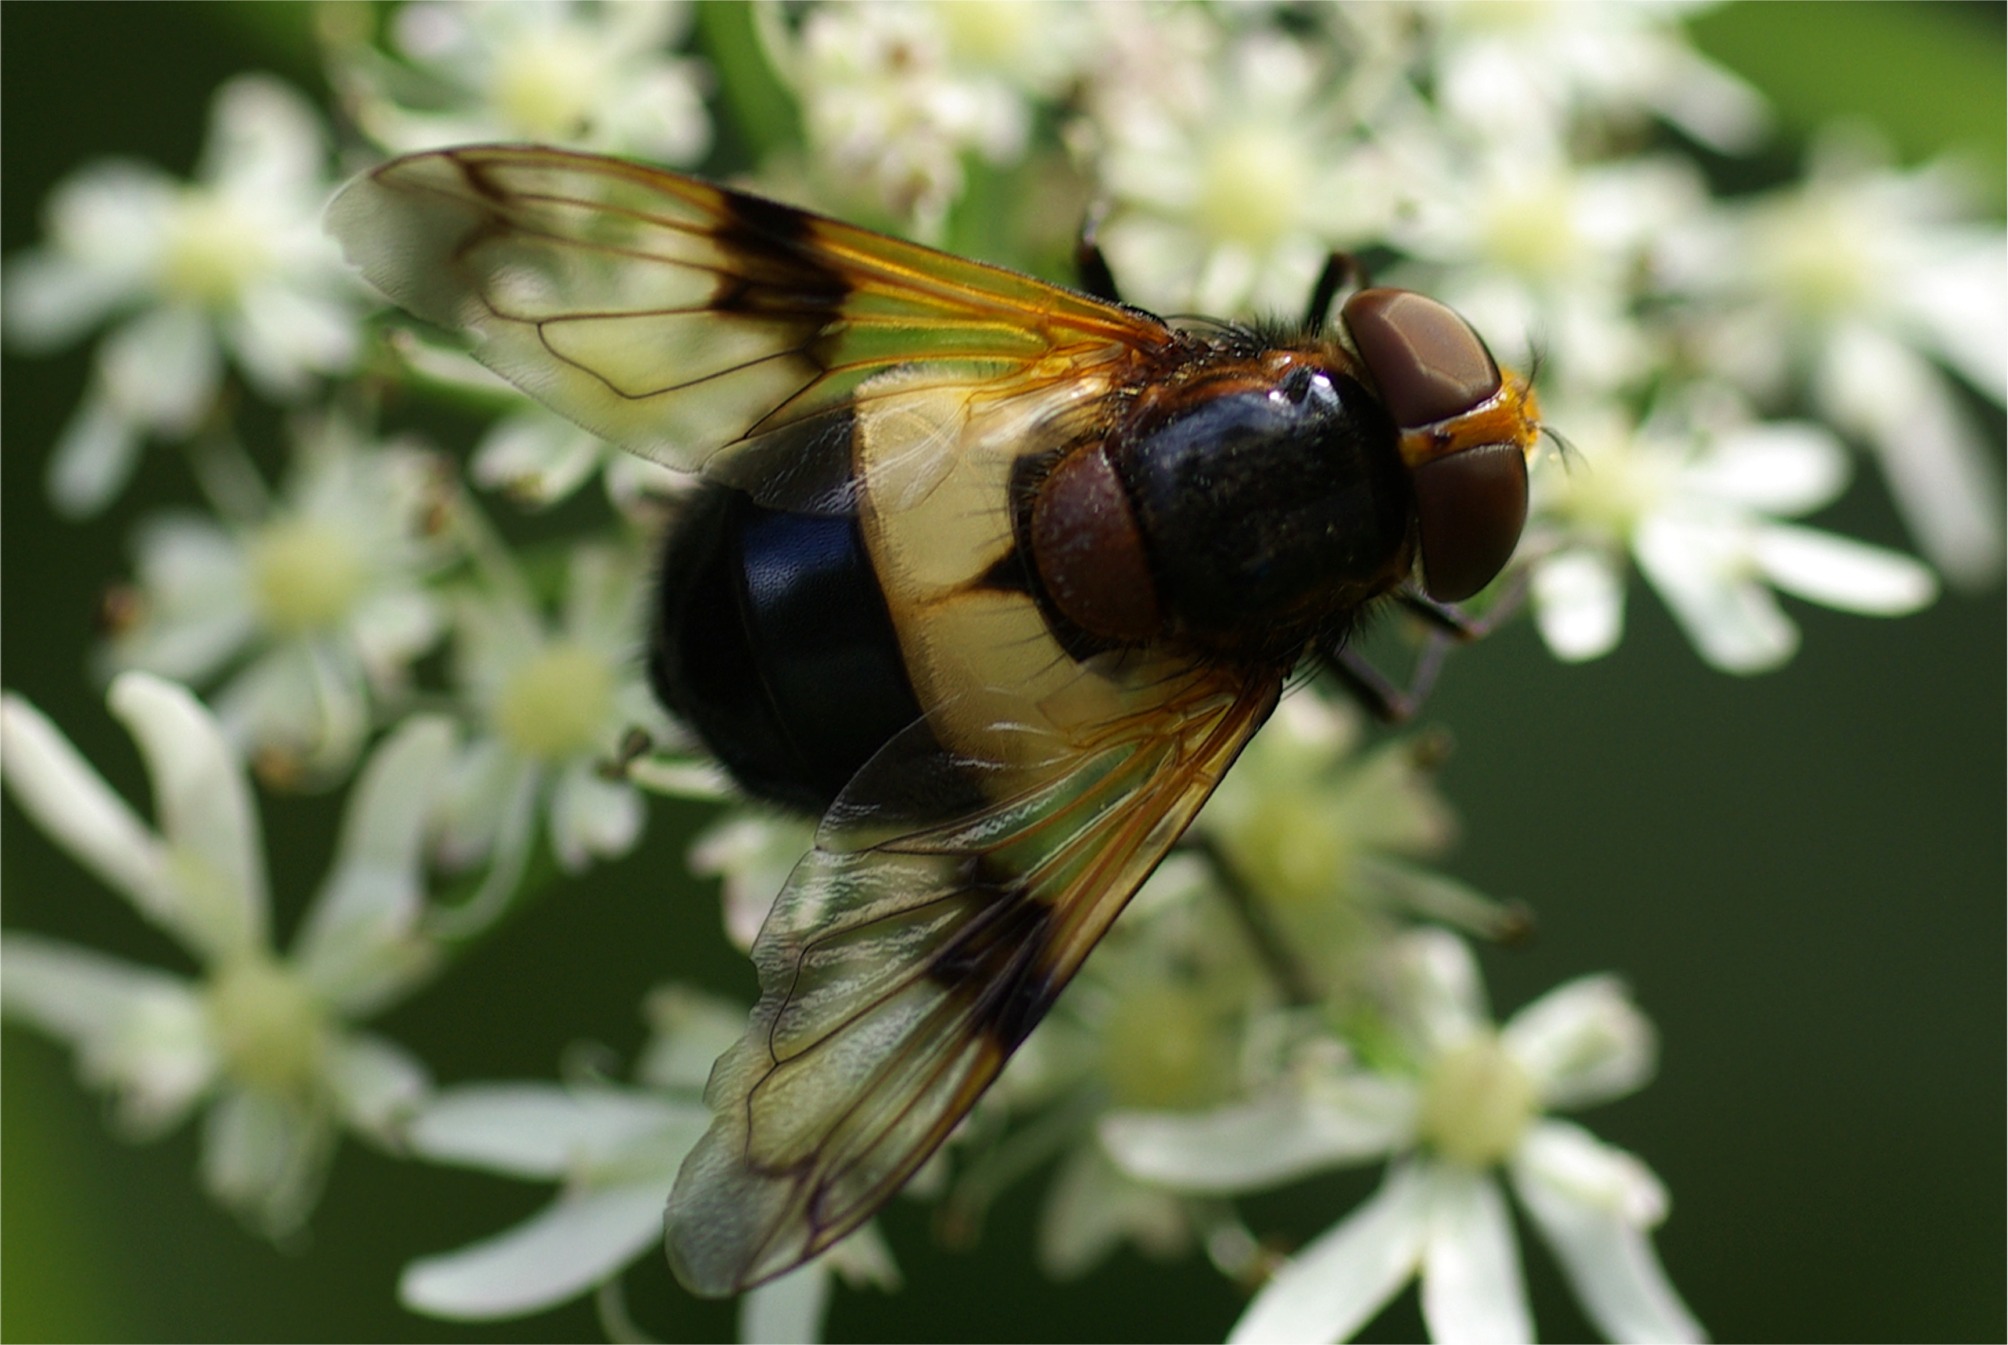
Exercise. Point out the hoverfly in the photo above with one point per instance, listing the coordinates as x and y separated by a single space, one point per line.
997 577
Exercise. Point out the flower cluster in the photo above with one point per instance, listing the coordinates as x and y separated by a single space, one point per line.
1295 989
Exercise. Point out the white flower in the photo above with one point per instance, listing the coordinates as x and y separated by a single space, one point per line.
1474 1104
1862 281
591 76
1530 74
893 95
614 1151
1694 493
1540 253
317 600
554 703
234 263
1231 199
265 1039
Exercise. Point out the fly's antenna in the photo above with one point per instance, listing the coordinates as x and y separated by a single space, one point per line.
1568 452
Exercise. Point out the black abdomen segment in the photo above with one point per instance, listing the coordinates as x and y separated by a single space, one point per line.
772 641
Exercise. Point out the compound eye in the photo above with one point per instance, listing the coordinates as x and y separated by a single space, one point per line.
1469 508
1427 362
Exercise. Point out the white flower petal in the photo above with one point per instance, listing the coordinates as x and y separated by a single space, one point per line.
394 627
70 801
1955 302
1442 997
1579 605
193 570
491 790
1593 1205
110 213
94 458
266 1159
1471 1284
1712 104
1706 582
753 854
1936 461
863 1260
1334 1286
1780 467
536 457
600 595
377 1084
162 369
688 1031
197 609
1582 1043
787 1311
282 337
359 943
1259 1144
265 139
301 701
51 300
554 1256
139 1031
541 1130
1840 573
1092 1209
637 487
593 817
206 814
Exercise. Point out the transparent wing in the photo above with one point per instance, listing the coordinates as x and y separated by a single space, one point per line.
673 316
908 957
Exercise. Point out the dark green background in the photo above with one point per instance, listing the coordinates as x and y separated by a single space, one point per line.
1801 874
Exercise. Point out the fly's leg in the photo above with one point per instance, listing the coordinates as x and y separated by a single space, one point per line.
1447 627
1089 263
1342 272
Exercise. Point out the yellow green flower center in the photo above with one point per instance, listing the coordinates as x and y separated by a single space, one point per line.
1476 1103
1291 852
545 84
305 575
1614 492
1251 187
557 702
1817 260
990 34
213 251
1533 232
271 1029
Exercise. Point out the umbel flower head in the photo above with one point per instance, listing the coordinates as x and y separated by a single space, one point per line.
312 605
1466 1100
233 264
265 1039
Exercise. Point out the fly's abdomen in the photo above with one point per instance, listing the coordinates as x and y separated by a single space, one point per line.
772 641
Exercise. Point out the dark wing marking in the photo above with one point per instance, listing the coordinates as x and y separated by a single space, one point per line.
902 965
673 316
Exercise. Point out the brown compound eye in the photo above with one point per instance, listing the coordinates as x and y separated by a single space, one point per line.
1427 362
1469 509
1431 368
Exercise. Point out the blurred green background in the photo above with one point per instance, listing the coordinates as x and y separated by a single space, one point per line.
1801 875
